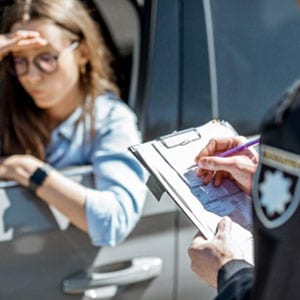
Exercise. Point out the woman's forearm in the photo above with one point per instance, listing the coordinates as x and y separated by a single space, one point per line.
65 195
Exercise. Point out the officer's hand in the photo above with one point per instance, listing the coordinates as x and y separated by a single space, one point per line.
239 167
207 257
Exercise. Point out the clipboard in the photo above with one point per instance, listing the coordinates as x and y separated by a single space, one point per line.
168 159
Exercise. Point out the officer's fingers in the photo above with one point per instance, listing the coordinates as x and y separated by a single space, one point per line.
232 164
253 155
205 164
209 171
200 172
207 178
240 168
206 175
208 150
219 177
217 145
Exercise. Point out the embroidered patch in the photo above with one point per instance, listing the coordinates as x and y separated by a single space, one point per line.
276 190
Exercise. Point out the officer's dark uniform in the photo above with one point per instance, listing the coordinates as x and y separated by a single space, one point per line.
276 196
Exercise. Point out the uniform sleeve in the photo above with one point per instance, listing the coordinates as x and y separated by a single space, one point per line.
235 281
115 205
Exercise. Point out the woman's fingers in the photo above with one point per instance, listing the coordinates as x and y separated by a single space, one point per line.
20 40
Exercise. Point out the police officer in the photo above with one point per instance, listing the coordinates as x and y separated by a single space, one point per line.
276 212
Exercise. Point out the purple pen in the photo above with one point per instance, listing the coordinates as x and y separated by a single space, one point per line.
239 148
234 150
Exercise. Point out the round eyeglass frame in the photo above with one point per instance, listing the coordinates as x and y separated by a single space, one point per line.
10 64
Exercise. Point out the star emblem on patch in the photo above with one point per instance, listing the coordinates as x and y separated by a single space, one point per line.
276 186
275 194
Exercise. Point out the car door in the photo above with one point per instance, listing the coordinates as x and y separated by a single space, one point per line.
42 256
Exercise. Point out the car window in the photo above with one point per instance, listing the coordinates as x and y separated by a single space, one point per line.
195 98
257 56
122 22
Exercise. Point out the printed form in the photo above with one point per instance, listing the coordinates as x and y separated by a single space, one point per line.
226 200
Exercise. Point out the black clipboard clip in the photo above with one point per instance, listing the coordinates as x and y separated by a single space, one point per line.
180 138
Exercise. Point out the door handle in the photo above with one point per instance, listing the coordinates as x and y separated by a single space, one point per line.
102 293
120 273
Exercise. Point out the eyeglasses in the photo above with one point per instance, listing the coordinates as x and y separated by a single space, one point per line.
45 62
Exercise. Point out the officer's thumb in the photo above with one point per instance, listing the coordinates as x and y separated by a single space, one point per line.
223 230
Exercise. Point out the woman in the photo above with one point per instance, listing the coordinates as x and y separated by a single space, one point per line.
59 105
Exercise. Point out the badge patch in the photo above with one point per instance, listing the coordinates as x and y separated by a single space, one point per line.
276 186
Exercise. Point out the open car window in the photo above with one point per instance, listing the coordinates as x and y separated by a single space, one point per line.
121 33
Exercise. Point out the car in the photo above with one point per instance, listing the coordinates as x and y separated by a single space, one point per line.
179 64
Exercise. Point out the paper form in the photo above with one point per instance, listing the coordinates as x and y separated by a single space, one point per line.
169 160
226 200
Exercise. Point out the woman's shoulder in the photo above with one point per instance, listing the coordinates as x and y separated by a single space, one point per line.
109 107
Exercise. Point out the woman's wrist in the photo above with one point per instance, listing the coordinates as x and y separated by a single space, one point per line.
38 177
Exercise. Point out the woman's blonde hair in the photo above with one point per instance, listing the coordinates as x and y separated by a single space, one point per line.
23 127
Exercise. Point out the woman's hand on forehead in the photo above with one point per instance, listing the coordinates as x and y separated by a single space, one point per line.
20 40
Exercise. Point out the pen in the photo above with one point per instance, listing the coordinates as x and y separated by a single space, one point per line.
239 148
235 149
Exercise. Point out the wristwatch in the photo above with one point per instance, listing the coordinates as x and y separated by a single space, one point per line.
37 178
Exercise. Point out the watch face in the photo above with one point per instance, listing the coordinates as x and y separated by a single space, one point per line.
276 189
38 177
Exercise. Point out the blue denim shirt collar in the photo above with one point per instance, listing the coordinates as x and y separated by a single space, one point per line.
66 128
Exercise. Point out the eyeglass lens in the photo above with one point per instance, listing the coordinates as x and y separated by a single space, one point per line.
45 62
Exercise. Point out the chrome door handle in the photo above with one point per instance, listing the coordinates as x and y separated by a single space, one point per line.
115 274
102 293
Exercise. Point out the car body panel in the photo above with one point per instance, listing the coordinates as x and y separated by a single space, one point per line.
40 248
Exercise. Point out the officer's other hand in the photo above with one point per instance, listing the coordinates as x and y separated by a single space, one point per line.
207 257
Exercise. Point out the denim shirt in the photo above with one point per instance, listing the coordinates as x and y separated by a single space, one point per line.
115 205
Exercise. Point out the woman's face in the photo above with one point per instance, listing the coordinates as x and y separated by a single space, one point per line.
58 92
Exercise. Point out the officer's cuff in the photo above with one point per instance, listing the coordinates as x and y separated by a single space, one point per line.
231 268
